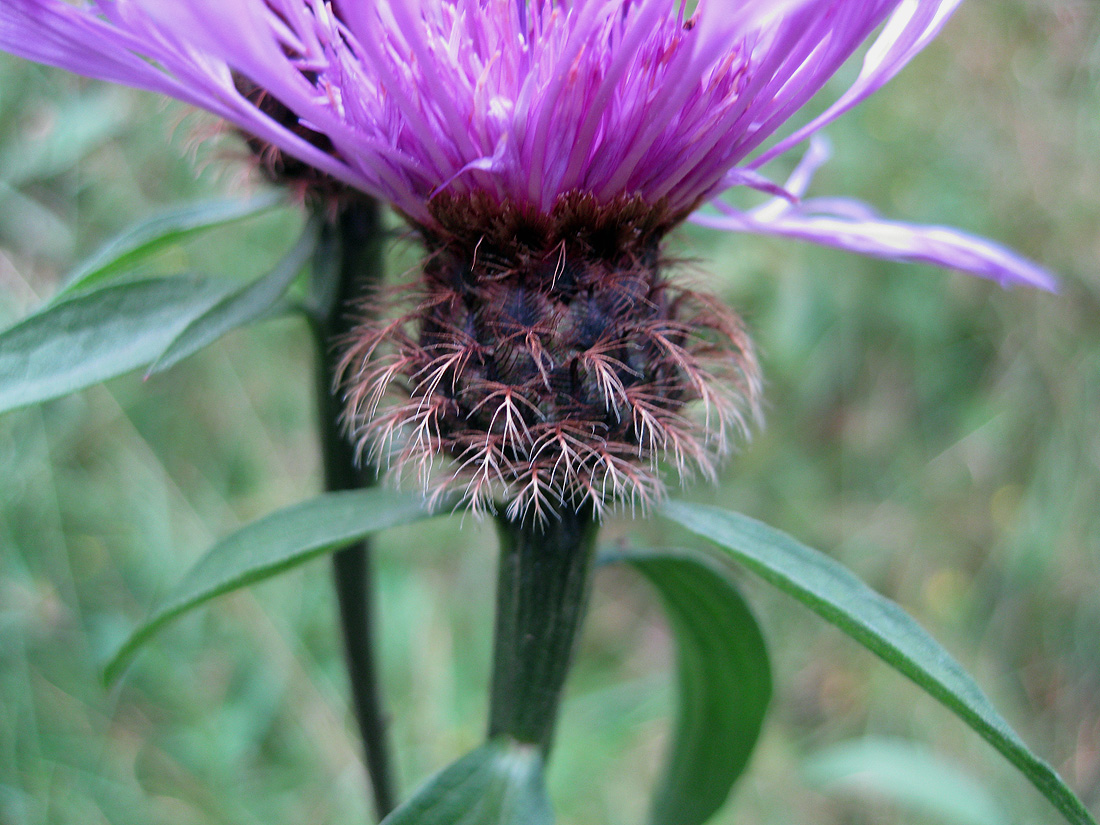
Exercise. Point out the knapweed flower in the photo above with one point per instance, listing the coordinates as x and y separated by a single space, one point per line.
541 150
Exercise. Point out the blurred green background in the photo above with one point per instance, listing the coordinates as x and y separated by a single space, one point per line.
939 435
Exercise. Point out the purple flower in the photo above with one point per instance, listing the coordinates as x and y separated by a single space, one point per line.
527 100
542 149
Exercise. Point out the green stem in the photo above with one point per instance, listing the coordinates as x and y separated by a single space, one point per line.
542 591
348 261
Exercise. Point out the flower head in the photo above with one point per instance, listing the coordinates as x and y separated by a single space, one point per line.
524 100
541 149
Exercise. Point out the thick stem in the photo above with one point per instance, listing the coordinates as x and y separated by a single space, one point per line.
542 592
349 260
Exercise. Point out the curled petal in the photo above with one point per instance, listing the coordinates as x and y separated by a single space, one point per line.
792 191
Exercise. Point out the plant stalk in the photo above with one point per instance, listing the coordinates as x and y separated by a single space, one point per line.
542 593
349 261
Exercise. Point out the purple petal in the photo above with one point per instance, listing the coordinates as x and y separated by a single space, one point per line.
910 28
166 52
52 32
607 96
847 224
852 226
528 99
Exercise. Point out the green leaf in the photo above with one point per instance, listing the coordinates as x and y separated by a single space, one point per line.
878 624
907 773
250 303
500 783
724 682
147 237
95 336
273 544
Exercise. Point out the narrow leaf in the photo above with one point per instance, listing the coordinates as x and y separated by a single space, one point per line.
878 624
143 239
250 303
724 682
908 774
272 544
81 341
500 783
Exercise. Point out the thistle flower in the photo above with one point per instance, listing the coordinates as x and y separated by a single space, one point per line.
541 150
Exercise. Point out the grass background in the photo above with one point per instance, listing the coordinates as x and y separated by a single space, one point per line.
937 434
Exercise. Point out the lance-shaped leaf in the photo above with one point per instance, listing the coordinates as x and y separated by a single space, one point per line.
500 783
253 302
724 682
273 544
81 341
831 591
143 239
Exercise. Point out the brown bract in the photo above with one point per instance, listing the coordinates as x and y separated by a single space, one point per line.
544 361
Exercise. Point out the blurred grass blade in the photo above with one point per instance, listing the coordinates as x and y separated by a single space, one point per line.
36 224
500 783
250 303
76 127
273 544
81 341
906 773
143 239
724 682
877 623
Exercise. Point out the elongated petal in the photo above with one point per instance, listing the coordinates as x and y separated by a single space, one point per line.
527 100
848 224
852 226
118 42
911 27
52 32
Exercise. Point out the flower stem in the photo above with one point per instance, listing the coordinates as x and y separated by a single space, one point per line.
348 260
542 592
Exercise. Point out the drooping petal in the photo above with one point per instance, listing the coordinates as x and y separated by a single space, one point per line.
848 224
852 226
